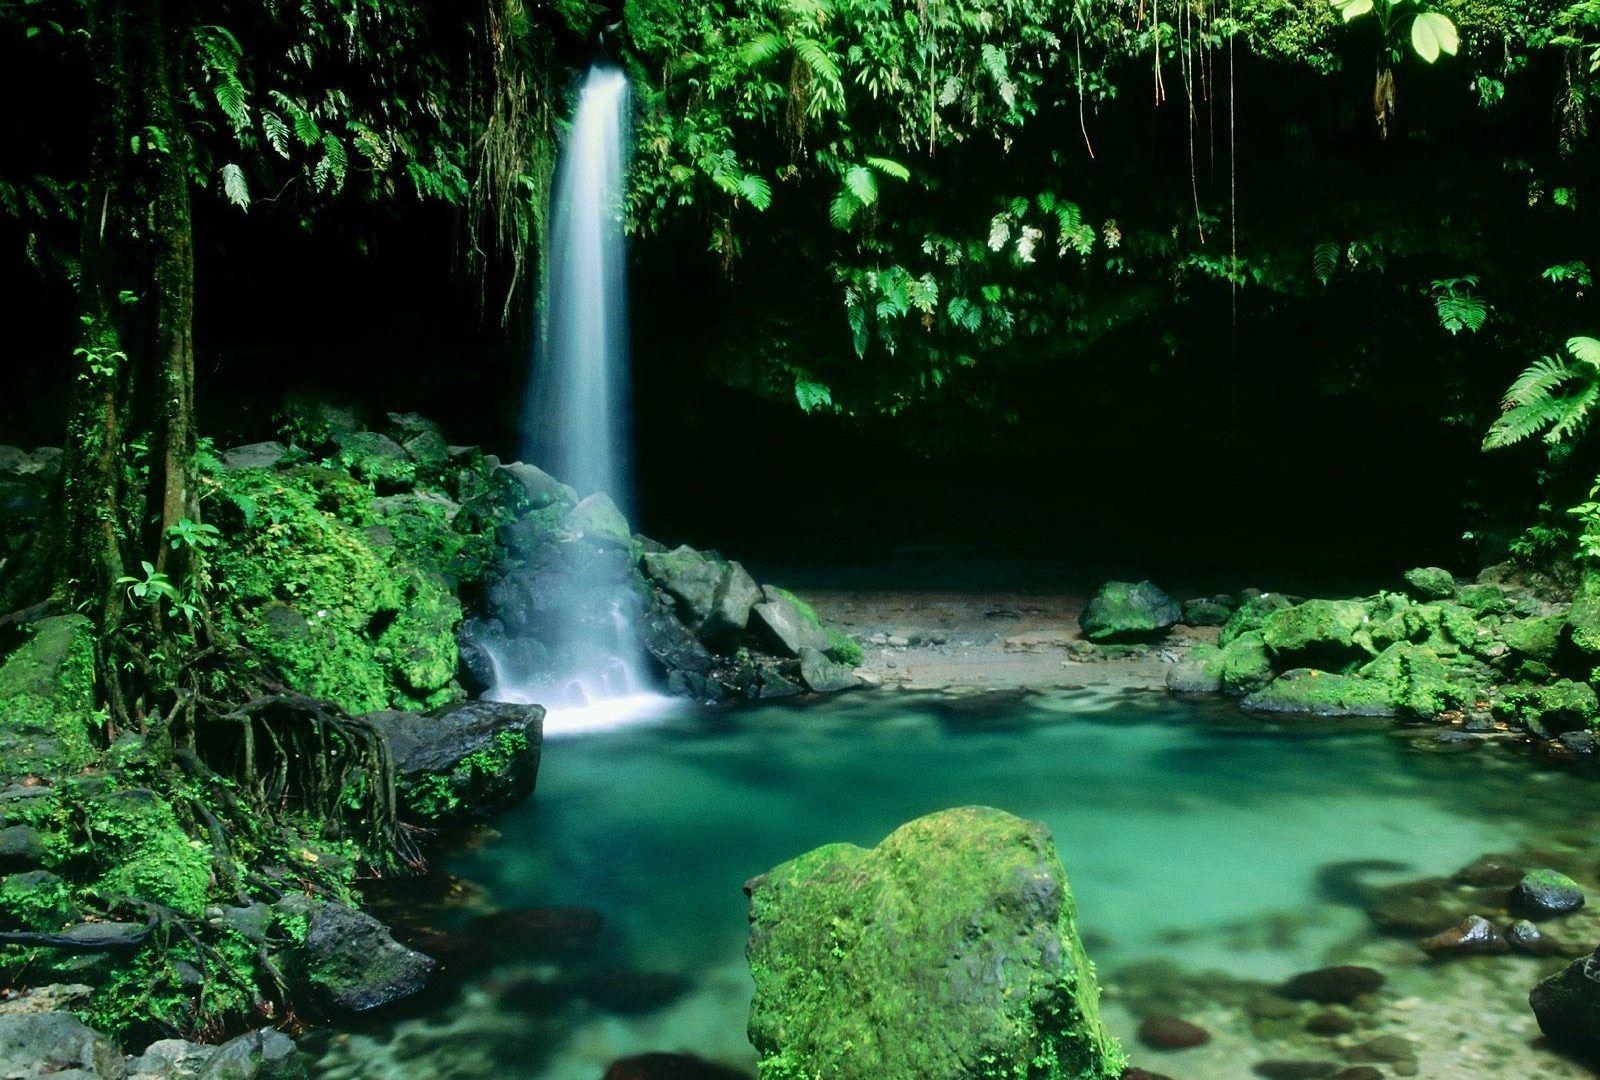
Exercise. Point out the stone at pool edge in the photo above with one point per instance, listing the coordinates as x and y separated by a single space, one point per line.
1546 894
670 1066
1473 936
348 962
463 761
864 964
1128 611
1567 1004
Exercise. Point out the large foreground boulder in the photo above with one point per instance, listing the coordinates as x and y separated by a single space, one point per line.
55 1043
948 951
1568 1004
1124 611
463 761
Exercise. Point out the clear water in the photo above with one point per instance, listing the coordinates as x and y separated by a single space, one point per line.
1191 835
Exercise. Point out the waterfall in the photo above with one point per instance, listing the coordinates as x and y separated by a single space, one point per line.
585 664
579 428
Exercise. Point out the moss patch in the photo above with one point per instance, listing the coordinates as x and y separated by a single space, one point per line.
47 701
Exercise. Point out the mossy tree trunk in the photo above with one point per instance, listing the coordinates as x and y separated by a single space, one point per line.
131 429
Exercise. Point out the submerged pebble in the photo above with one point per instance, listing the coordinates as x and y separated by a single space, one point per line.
1167 1032
1332 985
1473 936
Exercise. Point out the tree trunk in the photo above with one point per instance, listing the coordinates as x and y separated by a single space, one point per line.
131 430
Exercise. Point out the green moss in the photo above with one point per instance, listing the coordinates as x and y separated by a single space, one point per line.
1251 616
1321 693
1317 630
47 699
1246 667
950 950
1537 638
143 851
340 617
441 795
1561 706
36 900
1482 600
843 649
1430 583
1583 618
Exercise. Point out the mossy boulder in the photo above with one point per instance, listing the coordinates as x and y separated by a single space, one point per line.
337 606
1583 617
1129 611
785 624
1252 615
690 577
949 950
1553 709
1198 673
1430 583
1419 682
1246 667
1482 599
1321 693
1207 611
1537 638
1320 632
597 518
47 702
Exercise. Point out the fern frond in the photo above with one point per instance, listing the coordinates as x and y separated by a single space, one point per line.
860 182
755 191
276 131
843 209
760 49
889 167
1521 421
1586 349
234 186
1325 260
1536 383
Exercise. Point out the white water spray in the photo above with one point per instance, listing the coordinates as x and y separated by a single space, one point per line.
590 671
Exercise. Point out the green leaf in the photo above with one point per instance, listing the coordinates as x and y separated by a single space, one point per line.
843 209
756 191
276 131
1432 34
858 179
890 167
1586 349
812 395
1352 9
234 186
758 50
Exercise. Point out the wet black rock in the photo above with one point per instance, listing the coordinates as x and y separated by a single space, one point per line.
1339 985
1473 936
1166 1032
1526 937
463 761
1567 1004
21 848
633 992
349 962
1128 611
1546 894
670 1067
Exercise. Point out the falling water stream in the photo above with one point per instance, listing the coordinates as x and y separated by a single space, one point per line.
590 670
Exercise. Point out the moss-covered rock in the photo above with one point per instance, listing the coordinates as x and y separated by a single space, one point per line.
1553 709
1430 583
1252 615
1321 693
347 962
1128 611
1317 631
341 611
1246 667
1537 638
1482 599
465 761
144 852
1198 673
1583 617
47 701
1419 682
949 950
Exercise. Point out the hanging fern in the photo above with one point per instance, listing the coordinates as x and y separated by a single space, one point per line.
1325 261
234 186
1533 403
1458 305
